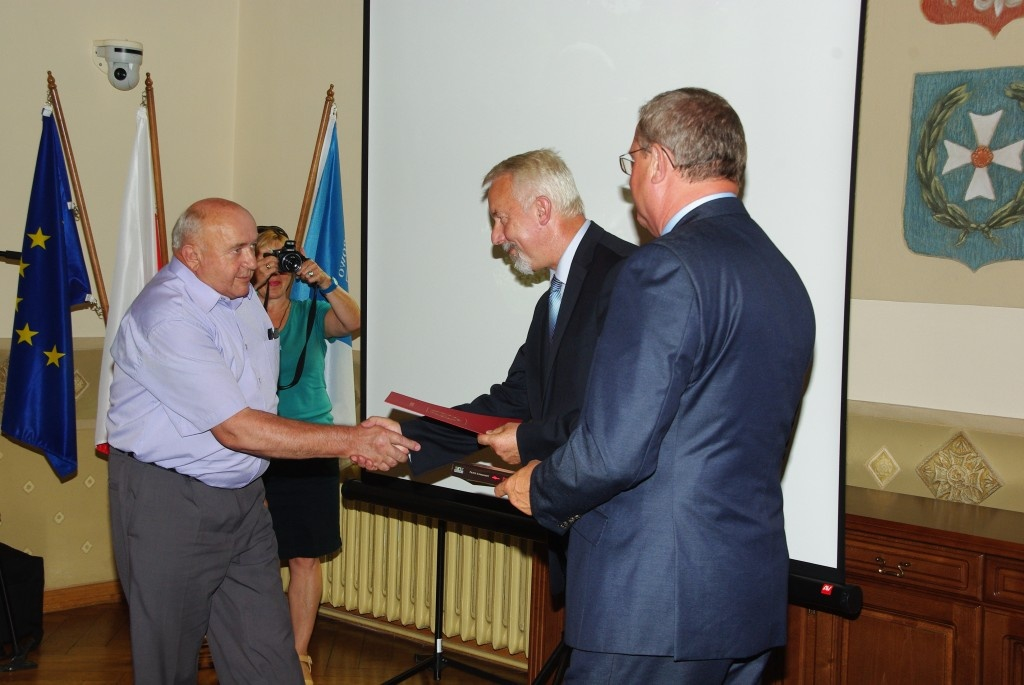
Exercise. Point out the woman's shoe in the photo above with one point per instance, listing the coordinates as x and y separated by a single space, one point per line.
307 668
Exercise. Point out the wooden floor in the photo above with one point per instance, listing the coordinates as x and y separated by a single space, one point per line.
90 646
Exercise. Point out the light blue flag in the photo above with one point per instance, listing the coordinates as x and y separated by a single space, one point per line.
39 408
325 244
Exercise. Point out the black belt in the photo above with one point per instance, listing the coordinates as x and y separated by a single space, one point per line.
114 450
131 455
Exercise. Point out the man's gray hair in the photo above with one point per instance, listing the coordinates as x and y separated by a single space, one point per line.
700 129
536 173
186 228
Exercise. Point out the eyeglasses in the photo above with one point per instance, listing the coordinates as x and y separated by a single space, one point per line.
626 161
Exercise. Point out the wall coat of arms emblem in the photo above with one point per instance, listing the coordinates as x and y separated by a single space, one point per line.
992 14
965 179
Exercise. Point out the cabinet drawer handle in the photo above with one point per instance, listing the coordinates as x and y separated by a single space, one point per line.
898 571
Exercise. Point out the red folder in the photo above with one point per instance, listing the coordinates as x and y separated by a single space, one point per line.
476 423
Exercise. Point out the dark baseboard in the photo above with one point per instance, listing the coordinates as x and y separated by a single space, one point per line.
79 596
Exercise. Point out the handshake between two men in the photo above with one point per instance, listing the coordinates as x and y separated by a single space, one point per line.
376 444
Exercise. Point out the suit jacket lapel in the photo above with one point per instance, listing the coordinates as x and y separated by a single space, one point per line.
570 294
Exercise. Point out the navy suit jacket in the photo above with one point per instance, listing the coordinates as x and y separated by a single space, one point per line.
669 488
546 381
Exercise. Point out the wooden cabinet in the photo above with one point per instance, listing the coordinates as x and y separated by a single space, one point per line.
943 589
921 621
904 636
1003 645
897 562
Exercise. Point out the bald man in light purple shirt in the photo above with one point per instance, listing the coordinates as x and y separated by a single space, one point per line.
191 423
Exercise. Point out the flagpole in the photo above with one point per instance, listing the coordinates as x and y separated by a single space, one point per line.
158 182
307 198
76 187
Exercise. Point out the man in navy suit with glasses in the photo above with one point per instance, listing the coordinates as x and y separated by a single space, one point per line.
669 489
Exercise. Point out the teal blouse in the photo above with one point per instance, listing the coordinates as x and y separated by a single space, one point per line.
306 400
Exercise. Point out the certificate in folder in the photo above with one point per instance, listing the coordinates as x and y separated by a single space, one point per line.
476 423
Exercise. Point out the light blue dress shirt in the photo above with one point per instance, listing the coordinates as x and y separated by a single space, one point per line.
186 358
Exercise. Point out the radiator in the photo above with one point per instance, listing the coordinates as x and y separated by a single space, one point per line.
387 565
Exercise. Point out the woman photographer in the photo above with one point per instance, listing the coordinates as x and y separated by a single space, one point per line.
302 495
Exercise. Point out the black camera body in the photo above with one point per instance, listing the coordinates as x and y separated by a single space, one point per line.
288 258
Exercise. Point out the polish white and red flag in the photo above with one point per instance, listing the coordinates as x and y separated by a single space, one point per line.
139 257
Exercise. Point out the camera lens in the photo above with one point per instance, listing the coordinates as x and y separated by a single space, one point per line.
120 73
290 262
288 259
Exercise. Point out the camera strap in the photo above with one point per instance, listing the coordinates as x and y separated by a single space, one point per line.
305 345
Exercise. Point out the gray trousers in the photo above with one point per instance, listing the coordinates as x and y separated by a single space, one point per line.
198 561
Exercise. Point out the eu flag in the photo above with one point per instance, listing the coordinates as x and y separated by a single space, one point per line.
39 408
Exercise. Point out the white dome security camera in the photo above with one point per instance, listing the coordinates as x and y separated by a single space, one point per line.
120 61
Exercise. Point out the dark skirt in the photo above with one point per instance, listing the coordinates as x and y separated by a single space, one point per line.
305 504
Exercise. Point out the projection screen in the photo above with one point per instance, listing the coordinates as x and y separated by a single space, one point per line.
453 87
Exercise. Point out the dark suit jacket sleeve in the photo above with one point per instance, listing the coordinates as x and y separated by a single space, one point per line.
537 437
443 444
632 397
545 393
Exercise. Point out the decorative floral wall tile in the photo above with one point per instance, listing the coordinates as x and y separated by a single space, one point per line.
957 472
883 467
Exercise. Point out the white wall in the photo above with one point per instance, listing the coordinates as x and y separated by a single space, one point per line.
956 358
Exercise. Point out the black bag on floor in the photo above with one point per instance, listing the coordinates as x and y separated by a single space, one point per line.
23 580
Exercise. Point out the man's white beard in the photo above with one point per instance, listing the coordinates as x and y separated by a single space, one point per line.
519 262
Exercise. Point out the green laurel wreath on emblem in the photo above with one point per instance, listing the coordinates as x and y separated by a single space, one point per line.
934 195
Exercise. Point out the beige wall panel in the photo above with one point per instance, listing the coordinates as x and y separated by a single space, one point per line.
950 357
190 47
899 43
289 54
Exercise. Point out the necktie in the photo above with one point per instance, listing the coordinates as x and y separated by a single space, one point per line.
554 300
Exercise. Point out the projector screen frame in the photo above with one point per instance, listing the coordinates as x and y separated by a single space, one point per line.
811 579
